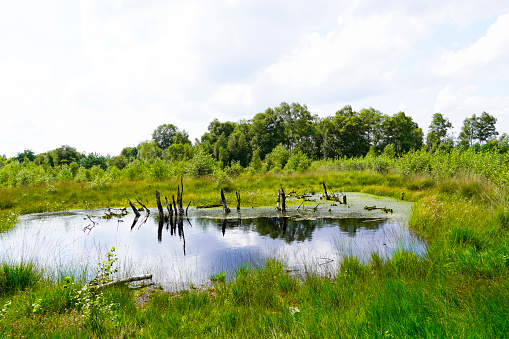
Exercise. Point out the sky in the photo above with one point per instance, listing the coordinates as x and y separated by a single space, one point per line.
101 75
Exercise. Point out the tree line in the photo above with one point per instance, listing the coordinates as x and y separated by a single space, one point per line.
291 129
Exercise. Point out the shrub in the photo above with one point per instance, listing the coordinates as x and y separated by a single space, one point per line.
298 162
202 164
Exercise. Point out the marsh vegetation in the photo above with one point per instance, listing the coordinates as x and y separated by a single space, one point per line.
458 287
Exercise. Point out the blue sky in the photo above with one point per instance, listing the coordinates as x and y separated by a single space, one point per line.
101 75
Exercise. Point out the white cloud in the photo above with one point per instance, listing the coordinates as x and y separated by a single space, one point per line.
103 75
461 103
487 57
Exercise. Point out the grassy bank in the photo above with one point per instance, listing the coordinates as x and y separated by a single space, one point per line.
459 289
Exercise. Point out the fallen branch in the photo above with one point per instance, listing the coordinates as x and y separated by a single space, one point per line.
386 210
125 280
209 206
145 207
315 208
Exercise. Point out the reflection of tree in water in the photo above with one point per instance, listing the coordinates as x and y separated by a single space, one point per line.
285 228
291 230
350 225
174 225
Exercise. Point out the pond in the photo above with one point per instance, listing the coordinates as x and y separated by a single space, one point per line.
193 248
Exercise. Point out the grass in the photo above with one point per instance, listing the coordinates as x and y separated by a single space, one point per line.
459 289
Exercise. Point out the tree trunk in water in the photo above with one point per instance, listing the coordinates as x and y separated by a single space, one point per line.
325 191
134 209
159 206
223 200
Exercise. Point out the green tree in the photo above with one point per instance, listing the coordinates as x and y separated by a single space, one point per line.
129 152
268 131
181 137
65 155
437 132
277 158
347 134
163 135
45 159
485 127
26 155
256 162
468 132
93 159
402 132
178 152
220 149
238 148
299 127
148 151
373 120
118 161
216 129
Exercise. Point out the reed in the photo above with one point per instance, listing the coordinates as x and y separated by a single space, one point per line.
459 288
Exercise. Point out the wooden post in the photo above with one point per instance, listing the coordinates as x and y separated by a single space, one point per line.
344 199
238 200
159 206
223 200
278 203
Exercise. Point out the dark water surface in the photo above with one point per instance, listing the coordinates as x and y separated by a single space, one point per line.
192 249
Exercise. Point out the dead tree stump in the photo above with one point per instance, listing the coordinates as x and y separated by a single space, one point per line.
134 209
159 206
281 200
170 210
223 201
325 191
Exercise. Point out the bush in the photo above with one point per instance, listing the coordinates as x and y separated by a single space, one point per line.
157 170
202 164
298 162
277 159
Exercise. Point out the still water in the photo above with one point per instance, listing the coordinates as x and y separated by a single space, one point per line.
192 249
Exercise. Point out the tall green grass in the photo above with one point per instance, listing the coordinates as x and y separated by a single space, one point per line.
459 288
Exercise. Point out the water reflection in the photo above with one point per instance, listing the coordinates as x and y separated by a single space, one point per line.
290 229
174 225
190 250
